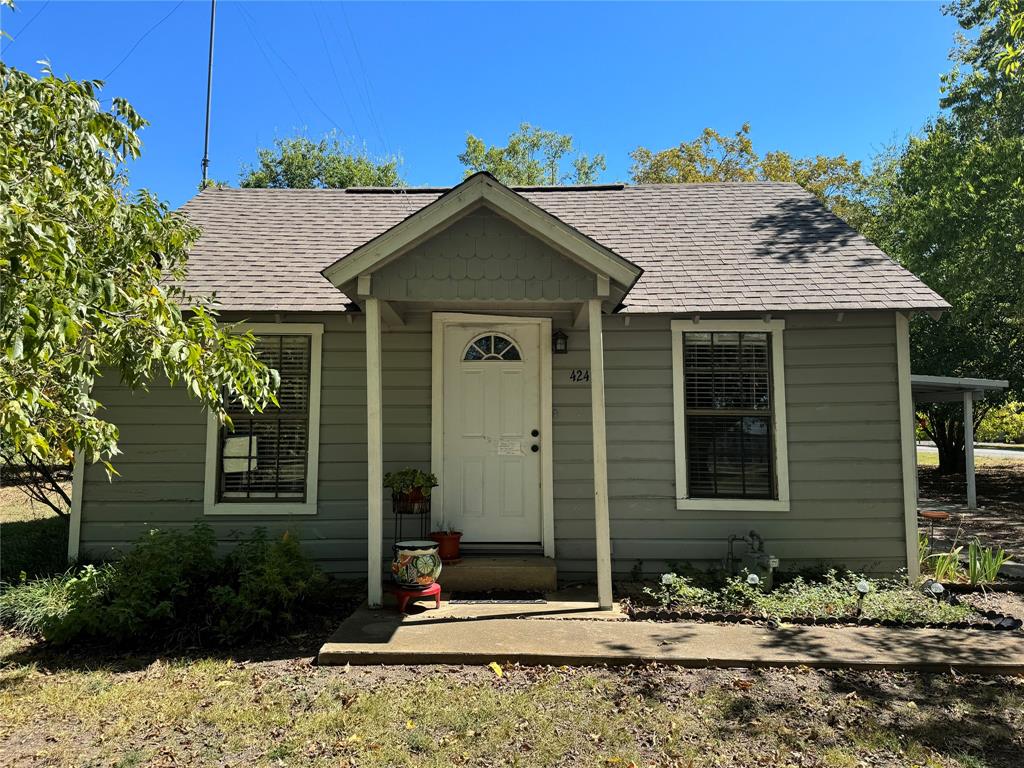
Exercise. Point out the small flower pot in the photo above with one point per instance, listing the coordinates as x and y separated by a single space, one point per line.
416 564
448 545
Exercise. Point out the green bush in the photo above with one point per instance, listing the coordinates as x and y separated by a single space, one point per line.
59 608
171 587
267 584
1004 424
833 596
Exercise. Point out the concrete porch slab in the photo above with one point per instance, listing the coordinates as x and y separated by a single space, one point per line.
567 603
383 637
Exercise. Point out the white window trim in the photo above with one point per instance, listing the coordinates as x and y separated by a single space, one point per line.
308 507
683 501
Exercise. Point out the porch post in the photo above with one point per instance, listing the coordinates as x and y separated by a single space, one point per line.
602 533
908 446
374 454
972 493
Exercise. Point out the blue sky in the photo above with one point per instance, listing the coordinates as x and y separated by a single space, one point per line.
413 79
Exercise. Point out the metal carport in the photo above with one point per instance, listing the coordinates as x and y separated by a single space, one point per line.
937 389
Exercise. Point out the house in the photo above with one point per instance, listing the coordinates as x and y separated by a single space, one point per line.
731 357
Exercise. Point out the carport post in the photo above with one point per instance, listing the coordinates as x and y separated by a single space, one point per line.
972 493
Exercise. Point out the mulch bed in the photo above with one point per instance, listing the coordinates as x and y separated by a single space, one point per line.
989 619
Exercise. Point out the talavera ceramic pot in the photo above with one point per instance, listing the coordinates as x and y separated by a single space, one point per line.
416 564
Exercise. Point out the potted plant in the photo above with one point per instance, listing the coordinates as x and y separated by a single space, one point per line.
410 489
447 538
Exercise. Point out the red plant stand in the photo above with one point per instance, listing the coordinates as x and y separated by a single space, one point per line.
405 595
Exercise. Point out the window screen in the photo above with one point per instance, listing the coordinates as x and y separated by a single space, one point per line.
728 415
264 458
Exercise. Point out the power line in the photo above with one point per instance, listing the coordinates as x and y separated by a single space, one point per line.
367 83
252 33
144 36
330 61
298 79
27 25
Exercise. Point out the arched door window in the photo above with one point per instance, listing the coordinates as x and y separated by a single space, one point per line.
492 346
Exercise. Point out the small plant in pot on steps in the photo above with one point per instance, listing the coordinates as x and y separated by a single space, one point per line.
447 538
410 489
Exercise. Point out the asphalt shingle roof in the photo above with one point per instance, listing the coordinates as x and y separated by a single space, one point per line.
730 247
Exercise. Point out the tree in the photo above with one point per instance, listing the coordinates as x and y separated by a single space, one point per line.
532 157
839 183
950 208
1011 58
299 163
90 278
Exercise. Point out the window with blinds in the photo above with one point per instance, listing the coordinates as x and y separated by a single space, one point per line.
728 415
264 458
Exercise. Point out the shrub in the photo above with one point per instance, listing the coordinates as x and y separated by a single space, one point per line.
171 587
1004 424
159 587
266 584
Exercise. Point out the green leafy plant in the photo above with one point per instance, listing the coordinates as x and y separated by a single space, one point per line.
59 608
946 565
171 587
1004 424
984 563
924 550
678 591
268 584
92 278
833 595
408 479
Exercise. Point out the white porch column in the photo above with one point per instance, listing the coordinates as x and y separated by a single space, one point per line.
972 493
602 531
374 453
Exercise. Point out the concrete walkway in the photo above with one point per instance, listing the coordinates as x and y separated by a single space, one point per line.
384 637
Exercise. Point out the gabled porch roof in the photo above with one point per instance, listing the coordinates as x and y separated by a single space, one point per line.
483 190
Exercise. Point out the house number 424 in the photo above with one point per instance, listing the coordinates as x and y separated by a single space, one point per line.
579 374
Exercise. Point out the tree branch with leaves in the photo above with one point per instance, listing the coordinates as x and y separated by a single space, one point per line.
91 279
532 157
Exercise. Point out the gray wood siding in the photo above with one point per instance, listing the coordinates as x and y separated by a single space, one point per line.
844 457
483 257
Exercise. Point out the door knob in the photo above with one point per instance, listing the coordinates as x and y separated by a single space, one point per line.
534 447
534 433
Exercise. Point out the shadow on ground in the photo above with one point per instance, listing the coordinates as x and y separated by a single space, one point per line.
36 547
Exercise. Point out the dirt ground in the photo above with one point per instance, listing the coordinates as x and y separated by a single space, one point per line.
999 521
278 709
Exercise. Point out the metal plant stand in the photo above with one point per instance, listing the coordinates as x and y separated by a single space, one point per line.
412 518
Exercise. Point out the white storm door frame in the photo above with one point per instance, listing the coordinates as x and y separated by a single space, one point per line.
440 321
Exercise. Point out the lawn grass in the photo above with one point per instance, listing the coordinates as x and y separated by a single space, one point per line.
33 539
215 711
931 459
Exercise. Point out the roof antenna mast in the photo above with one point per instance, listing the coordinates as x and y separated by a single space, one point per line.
209 92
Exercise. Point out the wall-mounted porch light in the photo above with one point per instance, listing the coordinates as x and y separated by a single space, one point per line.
560 342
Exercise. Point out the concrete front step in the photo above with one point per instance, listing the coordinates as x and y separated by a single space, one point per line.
500 572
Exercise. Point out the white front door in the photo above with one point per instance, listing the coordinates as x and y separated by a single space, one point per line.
492 441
